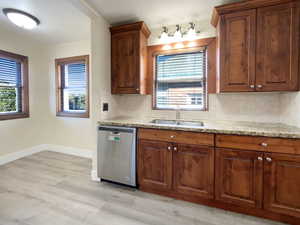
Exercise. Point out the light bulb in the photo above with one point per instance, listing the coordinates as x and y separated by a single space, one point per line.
177 35
191 34
164 37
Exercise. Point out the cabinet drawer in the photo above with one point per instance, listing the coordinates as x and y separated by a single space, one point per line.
266 144
183 137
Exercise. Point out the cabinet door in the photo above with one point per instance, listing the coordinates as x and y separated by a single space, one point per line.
282 184
277 48
237 51
155 165
239 177
193 170
125 63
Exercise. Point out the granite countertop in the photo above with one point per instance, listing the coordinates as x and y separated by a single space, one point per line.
217 127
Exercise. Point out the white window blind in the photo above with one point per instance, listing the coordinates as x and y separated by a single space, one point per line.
10 86
74 84
181 81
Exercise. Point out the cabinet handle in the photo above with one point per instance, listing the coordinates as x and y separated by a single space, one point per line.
260 158
172 136
137 89
175 149
264 144
259 86
269 159
169 148
252 86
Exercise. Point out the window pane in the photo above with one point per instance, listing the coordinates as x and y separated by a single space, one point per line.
75 75
10 72
180 81
75 87
74 99
10 86
8 99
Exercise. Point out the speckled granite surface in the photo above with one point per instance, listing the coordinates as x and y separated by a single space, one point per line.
217 127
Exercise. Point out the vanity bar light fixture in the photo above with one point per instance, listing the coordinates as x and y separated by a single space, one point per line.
179 34
21 18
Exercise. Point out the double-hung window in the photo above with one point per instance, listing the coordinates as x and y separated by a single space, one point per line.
14 101
180 80
72 84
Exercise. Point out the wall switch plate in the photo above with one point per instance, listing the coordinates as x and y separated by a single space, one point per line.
105 107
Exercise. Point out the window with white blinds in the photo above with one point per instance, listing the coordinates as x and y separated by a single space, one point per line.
181 81
10 86
73 86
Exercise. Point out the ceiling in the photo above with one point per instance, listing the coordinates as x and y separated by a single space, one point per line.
156 12
68 21
60 21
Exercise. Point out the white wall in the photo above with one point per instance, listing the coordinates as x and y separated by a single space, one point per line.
43 126
100 45
19 134
66 131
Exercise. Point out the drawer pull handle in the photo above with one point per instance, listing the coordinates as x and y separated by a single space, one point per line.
175 149
259 86
169 148
252 86
264 144
172 136
260 158
269 159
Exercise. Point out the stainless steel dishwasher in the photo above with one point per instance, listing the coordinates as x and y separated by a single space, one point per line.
117 154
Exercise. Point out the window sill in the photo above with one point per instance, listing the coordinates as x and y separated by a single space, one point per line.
12 116
74 115
170 109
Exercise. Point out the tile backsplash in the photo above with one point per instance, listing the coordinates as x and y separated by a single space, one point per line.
290 108
255 107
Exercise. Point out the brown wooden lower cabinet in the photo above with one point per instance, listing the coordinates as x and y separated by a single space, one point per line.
193 170
180 168
239 177
282 184
155 165
254 182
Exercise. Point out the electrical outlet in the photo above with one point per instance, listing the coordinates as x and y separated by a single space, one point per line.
105 107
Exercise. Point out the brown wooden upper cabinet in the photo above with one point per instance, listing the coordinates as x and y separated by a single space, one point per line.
258 46
128 58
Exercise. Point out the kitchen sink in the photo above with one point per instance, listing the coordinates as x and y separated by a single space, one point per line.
178 123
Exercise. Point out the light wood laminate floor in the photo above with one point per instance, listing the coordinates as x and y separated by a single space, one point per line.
55 189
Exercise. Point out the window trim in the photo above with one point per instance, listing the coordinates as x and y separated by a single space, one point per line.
187 46
25 86
59 107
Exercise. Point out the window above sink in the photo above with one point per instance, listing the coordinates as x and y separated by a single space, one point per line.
183 74
180 81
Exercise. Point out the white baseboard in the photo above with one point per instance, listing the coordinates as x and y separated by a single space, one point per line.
20 154
86 153
94 176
